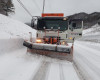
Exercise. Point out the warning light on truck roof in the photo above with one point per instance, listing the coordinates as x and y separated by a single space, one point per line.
52 14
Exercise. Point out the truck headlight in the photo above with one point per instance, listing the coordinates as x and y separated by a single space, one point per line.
70 38
63 43
38 41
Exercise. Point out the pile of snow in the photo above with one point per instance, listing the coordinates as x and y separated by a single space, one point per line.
94 30
12 34
10 45
92 34
11 28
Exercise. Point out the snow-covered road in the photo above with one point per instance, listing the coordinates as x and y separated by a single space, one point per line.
87 58
61 71
19 65
53 69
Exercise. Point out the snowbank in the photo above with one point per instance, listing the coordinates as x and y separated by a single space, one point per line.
9 45
91 34
11 28
95 30
87 59
12 34
87 53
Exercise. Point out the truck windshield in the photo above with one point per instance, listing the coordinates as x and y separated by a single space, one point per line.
48 24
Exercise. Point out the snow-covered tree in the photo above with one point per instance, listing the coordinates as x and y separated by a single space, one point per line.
6 7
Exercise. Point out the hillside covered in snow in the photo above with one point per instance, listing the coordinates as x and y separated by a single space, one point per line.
10 28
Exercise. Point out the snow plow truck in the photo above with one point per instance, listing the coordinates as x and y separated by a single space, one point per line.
55 34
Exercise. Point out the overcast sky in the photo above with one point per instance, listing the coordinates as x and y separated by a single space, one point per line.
68 7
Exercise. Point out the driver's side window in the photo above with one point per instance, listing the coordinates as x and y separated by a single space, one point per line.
74 25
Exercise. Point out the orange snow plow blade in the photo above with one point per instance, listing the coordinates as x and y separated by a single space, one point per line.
54 51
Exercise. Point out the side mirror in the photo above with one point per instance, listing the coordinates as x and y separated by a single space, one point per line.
32 23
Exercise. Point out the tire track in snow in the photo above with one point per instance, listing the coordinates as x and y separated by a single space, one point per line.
61 72
42 71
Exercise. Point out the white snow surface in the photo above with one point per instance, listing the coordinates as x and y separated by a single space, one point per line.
17 64
94 30
11 28
87 58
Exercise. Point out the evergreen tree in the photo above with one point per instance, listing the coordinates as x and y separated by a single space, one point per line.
6 7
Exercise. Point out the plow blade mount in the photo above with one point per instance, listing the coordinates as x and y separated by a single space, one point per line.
55 51
27 44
